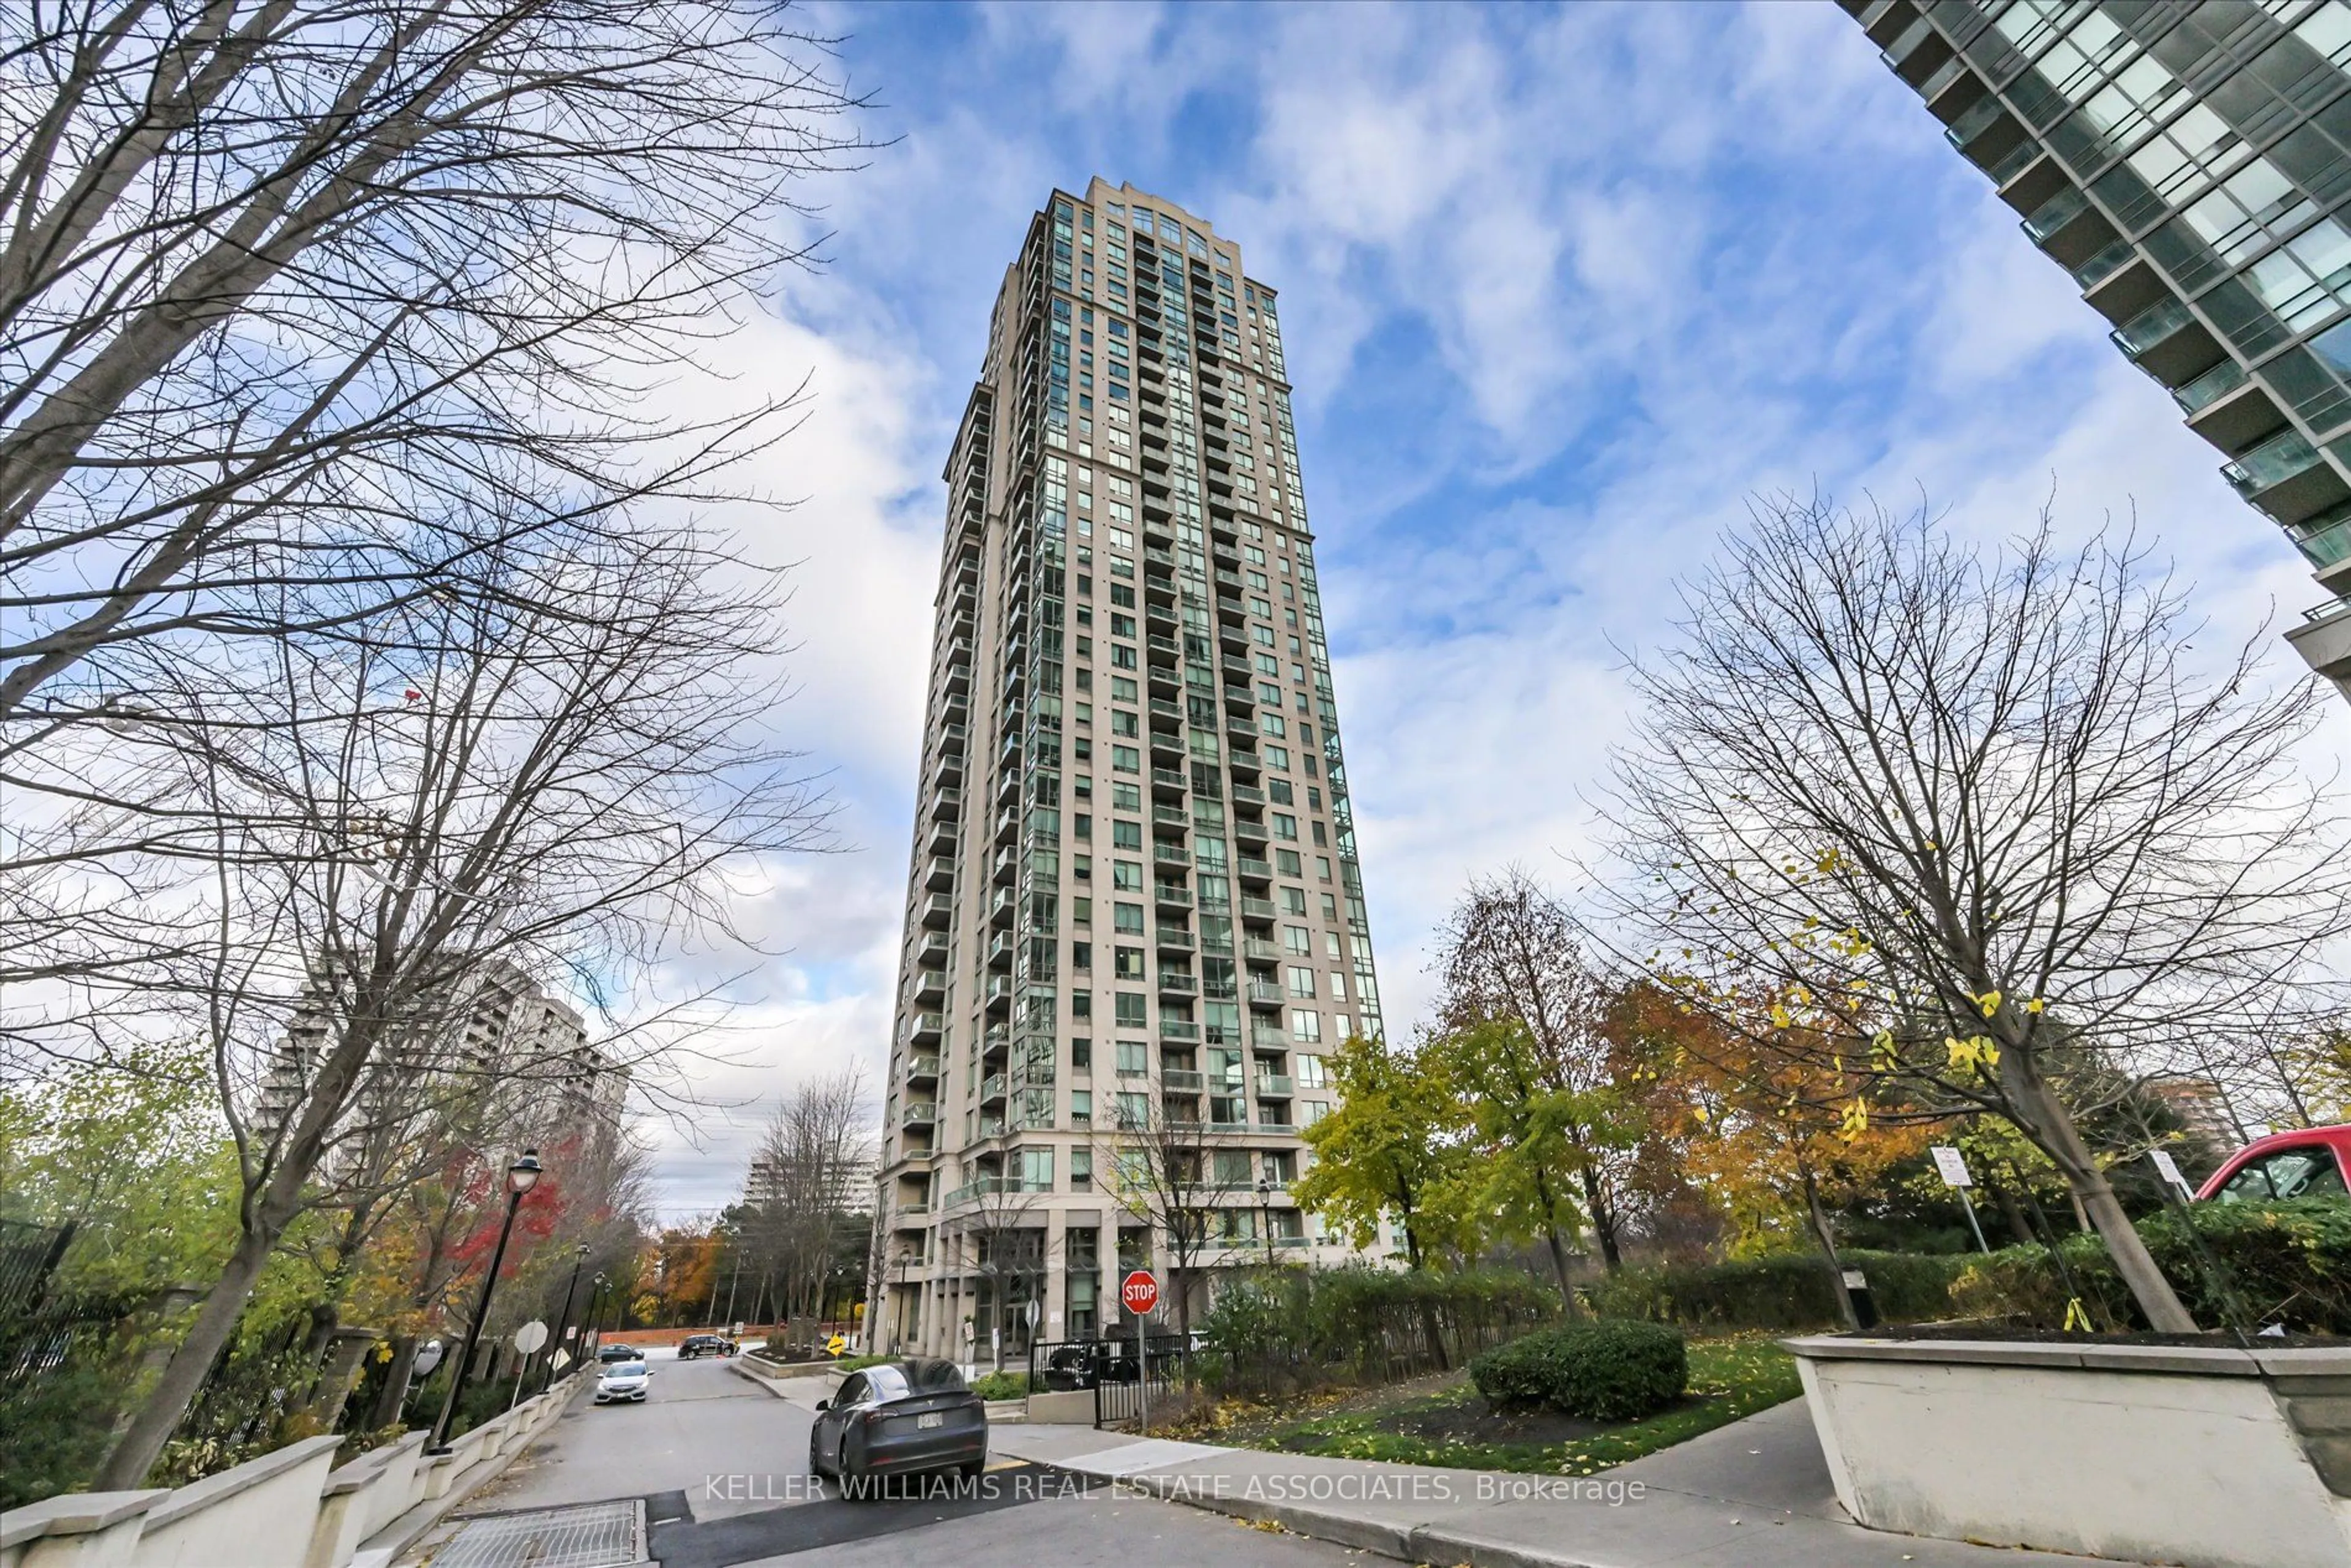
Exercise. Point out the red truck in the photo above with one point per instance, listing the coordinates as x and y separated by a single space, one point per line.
2310 1162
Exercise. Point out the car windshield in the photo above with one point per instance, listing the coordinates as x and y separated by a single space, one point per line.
911 1379
626 1369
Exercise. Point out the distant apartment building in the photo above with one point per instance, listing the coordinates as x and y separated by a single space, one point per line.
2189 163
1134 899
504 1040
849 1185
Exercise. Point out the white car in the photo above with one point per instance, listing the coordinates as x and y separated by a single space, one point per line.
623 1380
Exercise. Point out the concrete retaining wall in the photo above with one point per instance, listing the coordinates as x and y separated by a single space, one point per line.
2204 1456
283 1510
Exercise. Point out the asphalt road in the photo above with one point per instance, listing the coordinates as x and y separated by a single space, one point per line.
722 1465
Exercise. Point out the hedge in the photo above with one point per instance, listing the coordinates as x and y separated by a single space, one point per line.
1293 1327
1607 1370
1782 1290
2286 1263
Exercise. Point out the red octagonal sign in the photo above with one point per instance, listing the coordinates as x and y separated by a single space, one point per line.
1139 1293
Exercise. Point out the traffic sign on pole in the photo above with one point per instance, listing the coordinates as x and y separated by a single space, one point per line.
1139 1293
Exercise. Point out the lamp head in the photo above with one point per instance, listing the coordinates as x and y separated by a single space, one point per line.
524 1174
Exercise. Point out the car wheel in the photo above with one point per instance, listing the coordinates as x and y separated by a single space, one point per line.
853 1487
816 1455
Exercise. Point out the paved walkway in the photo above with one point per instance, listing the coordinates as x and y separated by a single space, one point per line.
1755 1494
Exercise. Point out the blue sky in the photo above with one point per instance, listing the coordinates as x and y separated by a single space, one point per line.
1561 288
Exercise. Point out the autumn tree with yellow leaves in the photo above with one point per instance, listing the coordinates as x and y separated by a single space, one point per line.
1979 822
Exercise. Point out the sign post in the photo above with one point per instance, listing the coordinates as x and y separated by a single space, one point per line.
1955 1174
1139 1293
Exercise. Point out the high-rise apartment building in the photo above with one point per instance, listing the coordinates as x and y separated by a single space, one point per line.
1134 909
2189 162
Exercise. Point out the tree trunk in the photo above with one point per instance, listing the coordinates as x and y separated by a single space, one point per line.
2093 1197
137 1448
1557 1245
392 1397
2014 1212
1429 1329
1826 1237
1603 1221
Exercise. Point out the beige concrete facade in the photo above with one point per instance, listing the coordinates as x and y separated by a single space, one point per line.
1132 895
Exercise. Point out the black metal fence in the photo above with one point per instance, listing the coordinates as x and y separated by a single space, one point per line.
1119 1374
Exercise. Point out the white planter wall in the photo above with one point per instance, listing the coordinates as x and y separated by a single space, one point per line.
283 1510
2208 1458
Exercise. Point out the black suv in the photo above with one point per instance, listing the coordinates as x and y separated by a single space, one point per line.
704 1344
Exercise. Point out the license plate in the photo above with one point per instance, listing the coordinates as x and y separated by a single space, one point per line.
936 1419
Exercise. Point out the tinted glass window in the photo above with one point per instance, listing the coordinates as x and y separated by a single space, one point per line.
2289 1173
851 1391
933 1376
887 1383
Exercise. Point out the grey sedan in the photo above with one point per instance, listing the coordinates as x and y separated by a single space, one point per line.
896 1419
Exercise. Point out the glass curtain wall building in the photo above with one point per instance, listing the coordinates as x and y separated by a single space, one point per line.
2189 162
1134 905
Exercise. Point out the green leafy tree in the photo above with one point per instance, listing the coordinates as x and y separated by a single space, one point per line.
1524 1138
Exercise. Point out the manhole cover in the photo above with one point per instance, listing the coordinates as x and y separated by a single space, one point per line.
598 1535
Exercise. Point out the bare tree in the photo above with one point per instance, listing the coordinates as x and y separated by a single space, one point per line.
1159 1170
1004 1241
290 290
805 1179
1511 951
394 807
1978 819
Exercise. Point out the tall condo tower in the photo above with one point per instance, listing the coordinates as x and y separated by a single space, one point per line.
1134 910
2189 164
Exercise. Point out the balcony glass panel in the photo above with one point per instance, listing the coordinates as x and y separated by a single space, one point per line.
2325 539
2271 463
2103 264
2055 213
2210 387
2151 325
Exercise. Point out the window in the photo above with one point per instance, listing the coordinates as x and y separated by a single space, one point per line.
1125 797
1082 955
1123 689
1127 876
1081 1109
1313 1111
2309 1172
1081 1159
1130 963
1124 758
1305 1026
1081 1005
1280 790
1338 987
1330 901
1302 982
1293 901
1127 835
1121 625
1121 656
1133 1059
1124 723
1123 596
1230 1168
1271 724
1082 1055
1286 862
1127 919
1132 1009
1277 756
1081 826
1308 1070
1297 940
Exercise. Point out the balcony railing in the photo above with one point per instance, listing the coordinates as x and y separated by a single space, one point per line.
2271 463
2325 539
2210 388
924 1115
2151 325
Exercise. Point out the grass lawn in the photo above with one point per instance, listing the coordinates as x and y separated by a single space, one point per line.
1442 1421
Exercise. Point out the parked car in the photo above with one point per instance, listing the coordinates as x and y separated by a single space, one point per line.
899 1418
624 1381
2310 1162
613 1352
701 1344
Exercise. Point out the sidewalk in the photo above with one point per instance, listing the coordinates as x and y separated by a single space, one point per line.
1755 1494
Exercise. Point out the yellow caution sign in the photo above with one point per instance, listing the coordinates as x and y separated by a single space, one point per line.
835 1345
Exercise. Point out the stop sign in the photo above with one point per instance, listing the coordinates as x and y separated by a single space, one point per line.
1139 1293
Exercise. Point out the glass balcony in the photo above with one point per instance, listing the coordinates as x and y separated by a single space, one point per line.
1901 48
2015 161
1974 122
2104 263
2271 463
2325 539
2151 325
2210 388
1944 74
2055 213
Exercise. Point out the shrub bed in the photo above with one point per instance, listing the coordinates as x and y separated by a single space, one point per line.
1782 1290
1608 1370
2286 1264
1304 1327
1002 1386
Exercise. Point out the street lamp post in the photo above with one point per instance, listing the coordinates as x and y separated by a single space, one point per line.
563 1324
1265 1217
521 1176
593 1324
